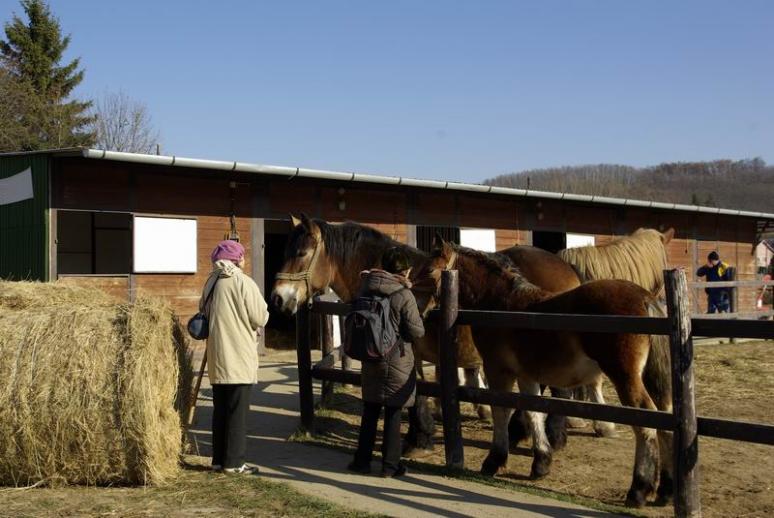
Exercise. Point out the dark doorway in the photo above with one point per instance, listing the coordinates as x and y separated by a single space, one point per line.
280 331
550 241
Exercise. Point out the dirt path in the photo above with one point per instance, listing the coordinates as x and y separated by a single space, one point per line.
321 471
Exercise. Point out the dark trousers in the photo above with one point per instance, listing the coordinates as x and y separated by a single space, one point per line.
390 440
231 404
718 302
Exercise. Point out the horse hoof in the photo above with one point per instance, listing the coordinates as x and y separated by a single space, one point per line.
666 489
576 422
639 492
418 453
557 439
484 413
493 463
635 499
541 466
604 430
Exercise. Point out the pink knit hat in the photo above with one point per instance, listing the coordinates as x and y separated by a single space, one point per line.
228 249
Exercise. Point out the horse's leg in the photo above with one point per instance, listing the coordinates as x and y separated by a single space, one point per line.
594 392
556 425
631 392
473 379
421 422
666 486
578 394
498 452
518 430
541 448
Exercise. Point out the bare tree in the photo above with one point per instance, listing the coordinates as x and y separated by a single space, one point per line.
123 124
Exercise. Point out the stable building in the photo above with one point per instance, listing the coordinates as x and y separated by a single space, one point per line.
131 223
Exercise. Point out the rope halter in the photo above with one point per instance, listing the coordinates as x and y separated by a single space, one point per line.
306 275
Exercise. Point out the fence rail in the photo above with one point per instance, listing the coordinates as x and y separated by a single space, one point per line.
678 324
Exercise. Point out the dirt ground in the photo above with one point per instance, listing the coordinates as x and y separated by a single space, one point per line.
734 381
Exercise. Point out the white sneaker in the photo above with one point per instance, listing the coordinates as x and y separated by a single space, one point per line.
244 469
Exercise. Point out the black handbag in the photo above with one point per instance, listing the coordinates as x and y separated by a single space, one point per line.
199 324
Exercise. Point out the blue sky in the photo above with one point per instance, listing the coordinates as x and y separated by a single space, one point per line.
451 90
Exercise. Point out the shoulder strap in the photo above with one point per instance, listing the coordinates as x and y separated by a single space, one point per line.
209 295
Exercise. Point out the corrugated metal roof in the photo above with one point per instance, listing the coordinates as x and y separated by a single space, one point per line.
300 172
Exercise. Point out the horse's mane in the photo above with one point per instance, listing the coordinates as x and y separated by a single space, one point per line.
498 264
639 258
346 240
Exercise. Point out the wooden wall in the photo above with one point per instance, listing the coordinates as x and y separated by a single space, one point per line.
81 184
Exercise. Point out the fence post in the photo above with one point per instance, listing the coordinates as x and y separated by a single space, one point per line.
447 344
346 361
304 353
326 329
733 295
686 439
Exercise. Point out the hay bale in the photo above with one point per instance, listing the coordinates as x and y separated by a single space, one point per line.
91 391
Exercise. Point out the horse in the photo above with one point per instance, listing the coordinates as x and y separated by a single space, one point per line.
640 257
637 365
319 255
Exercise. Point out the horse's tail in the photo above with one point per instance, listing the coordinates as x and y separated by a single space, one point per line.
657 375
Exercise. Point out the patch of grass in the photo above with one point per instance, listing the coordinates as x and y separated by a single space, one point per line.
196 492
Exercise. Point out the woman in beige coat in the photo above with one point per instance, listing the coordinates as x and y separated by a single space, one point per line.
236 311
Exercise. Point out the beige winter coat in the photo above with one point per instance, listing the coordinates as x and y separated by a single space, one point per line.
236 312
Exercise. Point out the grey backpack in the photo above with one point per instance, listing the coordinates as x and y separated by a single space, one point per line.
369 334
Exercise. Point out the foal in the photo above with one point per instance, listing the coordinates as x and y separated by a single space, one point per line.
637 365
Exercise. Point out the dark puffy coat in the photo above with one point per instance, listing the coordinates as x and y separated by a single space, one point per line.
392 381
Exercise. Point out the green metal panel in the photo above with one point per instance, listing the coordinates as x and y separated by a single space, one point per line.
24 224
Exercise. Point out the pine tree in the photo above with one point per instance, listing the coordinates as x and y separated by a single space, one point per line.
32 53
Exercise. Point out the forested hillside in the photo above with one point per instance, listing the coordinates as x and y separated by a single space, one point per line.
741 184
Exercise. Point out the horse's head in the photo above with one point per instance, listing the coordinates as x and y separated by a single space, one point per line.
427 281
306 270
655 235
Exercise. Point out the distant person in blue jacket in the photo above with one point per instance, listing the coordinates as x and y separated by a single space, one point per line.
718 299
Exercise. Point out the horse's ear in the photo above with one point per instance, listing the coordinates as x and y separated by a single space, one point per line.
310 225
667 236
438 242
294 221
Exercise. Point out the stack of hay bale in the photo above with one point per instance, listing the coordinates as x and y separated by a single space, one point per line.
91 390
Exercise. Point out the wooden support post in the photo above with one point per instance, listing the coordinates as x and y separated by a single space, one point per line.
346 361
733 295
326 329
197 385
686 439
304 354
447 338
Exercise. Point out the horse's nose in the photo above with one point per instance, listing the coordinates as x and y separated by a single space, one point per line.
276 300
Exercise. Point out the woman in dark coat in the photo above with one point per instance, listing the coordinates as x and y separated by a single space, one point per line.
390 382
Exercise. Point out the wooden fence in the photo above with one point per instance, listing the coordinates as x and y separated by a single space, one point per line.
678 325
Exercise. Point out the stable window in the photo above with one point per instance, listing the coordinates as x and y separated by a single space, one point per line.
481 239
164 245
91 243
580 240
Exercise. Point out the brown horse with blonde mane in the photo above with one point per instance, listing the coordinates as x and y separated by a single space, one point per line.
637 365
319 255
640 257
